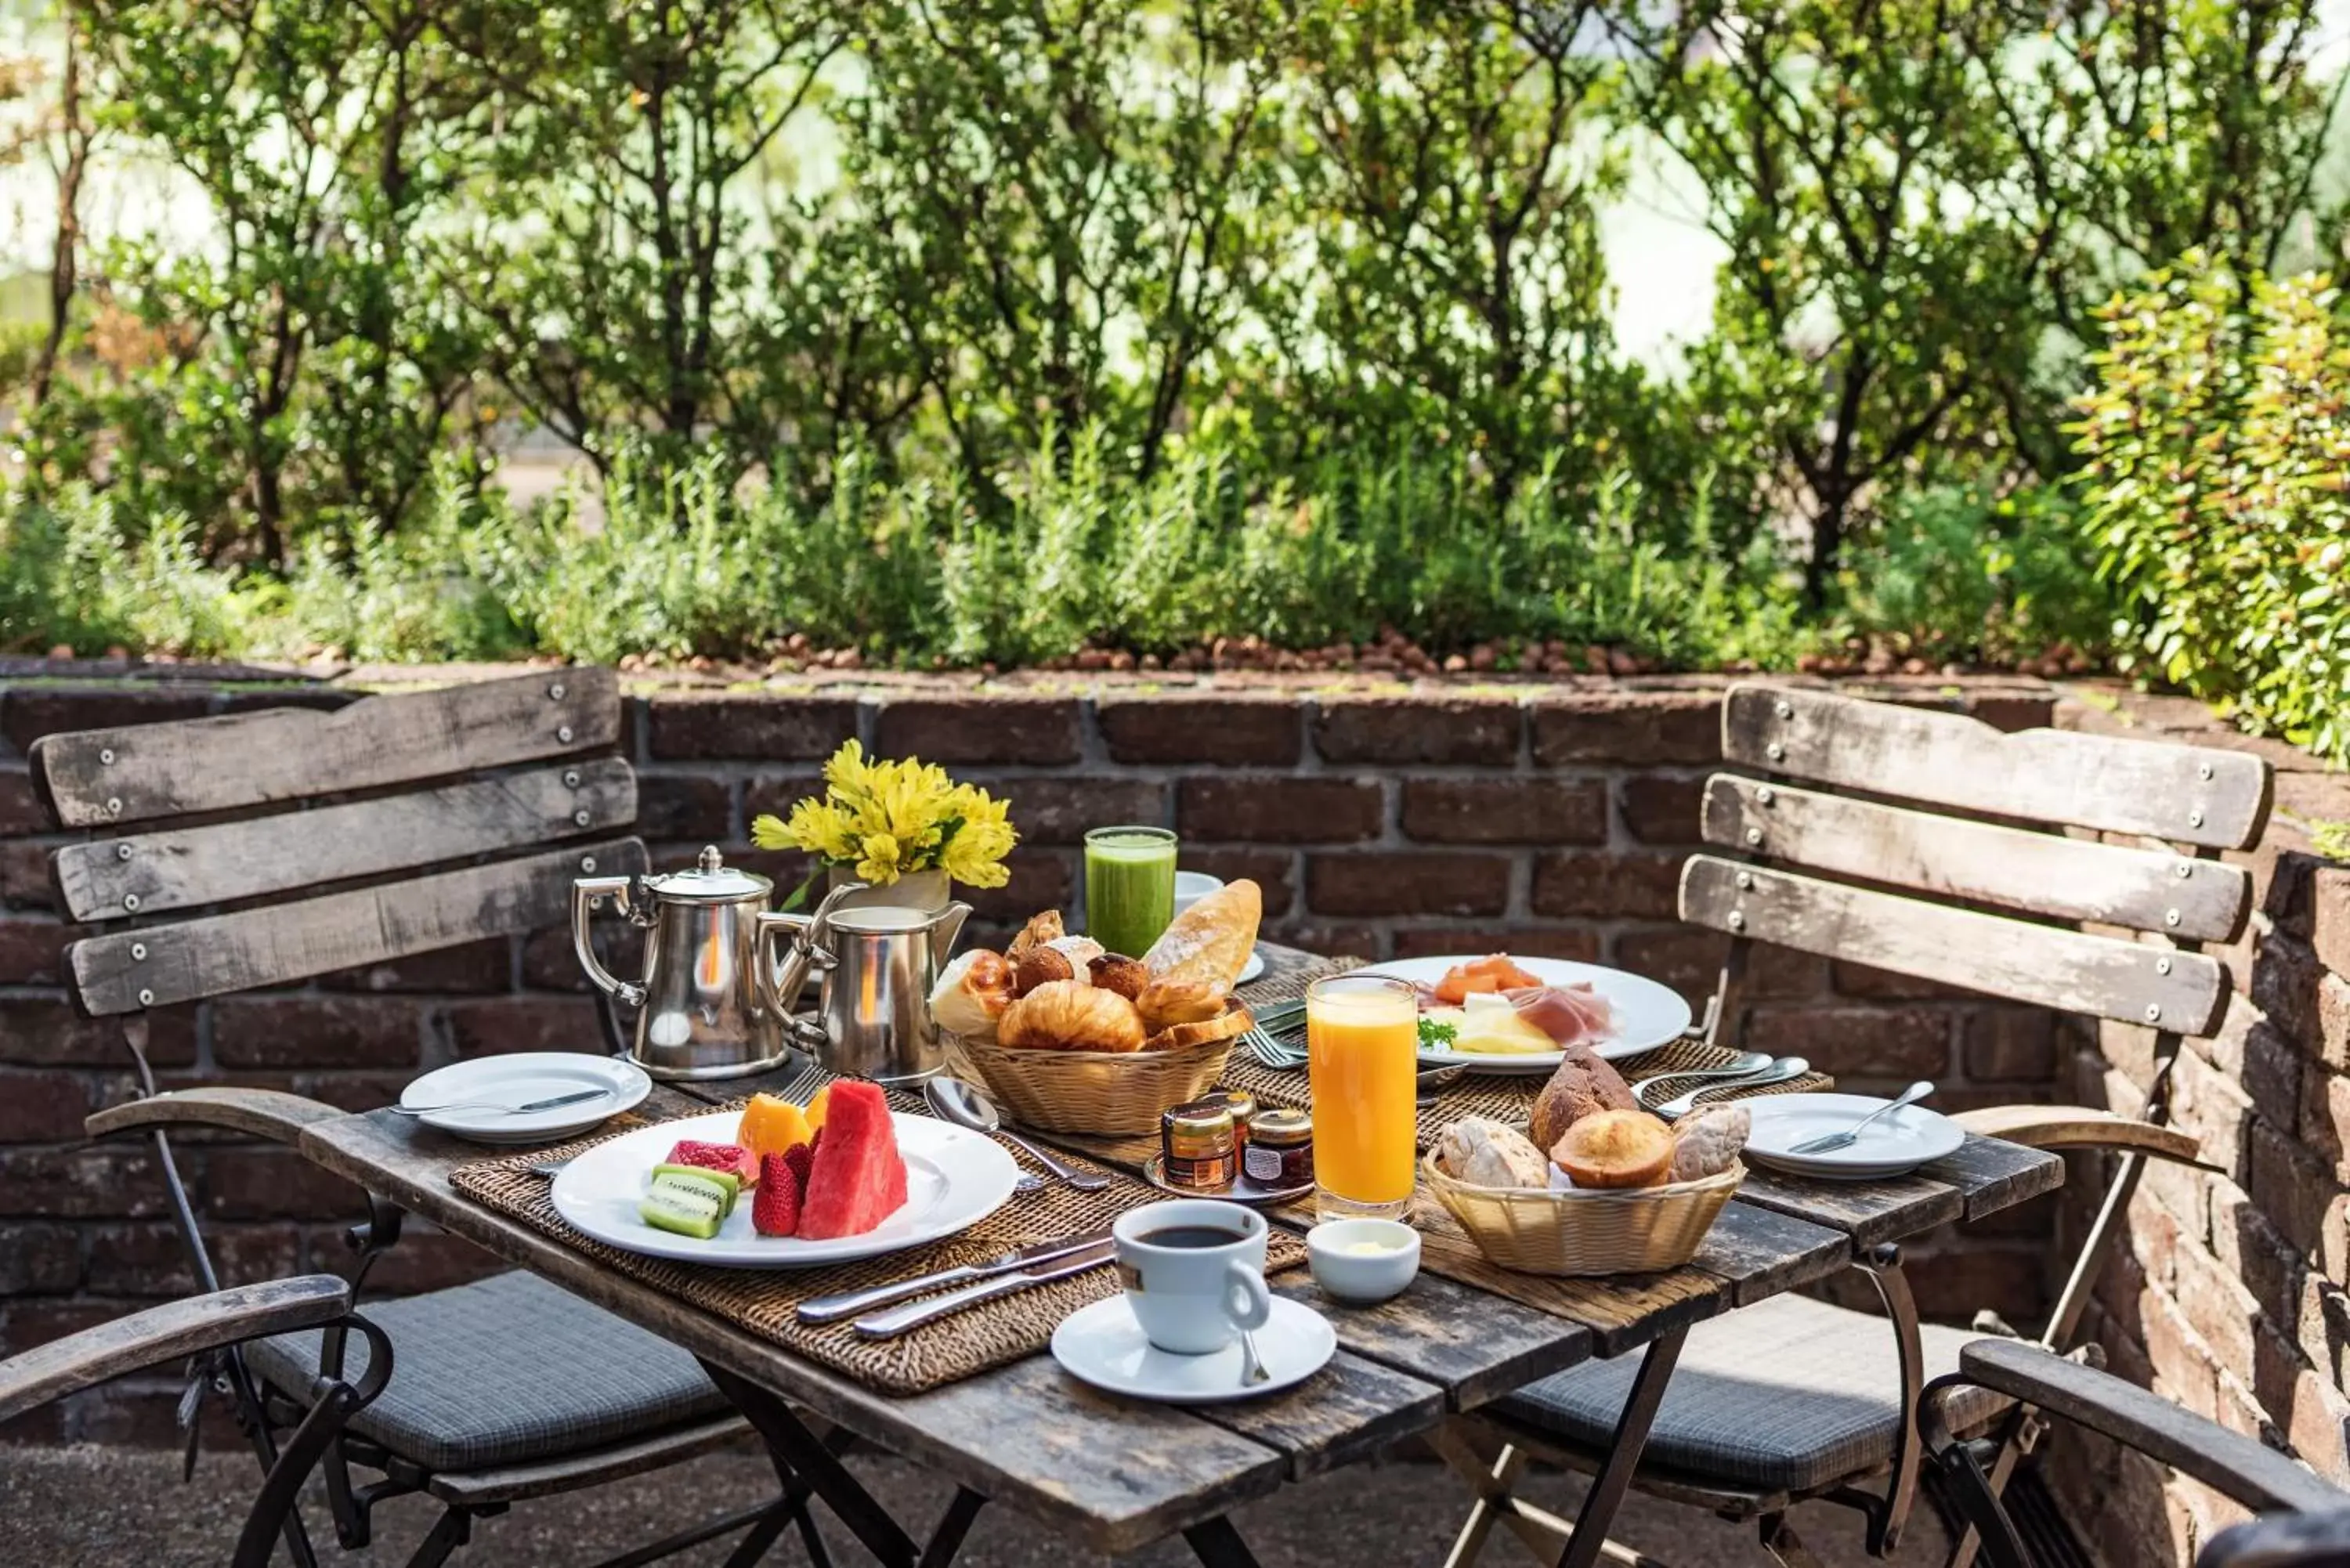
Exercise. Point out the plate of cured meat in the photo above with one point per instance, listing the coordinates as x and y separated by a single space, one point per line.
1508 1015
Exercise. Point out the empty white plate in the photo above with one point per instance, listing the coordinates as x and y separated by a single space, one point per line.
1104 1345
1890 1145
1645 1014
954 1178
520 1079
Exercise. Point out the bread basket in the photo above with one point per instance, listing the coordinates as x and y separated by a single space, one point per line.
1584 1230
1115 1093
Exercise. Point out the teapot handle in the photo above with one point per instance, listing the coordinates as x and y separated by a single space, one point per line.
782 978
584 891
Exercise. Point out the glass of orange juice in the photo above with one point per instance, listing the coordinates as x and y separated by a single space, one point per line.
1362 1039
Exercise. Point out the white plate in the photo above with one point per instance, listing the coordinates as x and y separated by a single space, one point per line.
1646 1014
1253 968
954 1178
519 1079
1102 1344
1891 1146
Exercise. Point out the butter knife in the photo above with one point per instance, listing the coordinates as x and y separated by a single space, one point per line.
890 1324
848 1304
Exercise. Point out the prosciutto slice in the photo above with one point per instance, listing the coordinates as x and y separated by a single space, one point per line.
1570 1015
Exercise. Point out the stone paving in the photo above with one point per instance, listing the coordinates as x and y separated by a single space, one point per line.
69 1507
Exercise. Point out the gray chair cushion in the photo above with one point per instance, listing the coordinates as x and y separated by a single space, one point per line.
502 1371
1788 1394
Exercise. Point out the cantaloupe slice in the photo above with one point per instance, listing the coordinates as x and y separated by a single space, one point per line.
771 1126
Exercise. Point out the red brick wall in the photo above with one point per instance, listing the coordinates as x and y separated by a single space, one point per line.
2227 1296
1547 819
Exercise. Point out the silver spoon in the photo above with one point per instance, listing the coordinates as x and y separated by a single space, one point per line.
572 1099
1827 1142
1742 1065
1778 1072
1253 1369
963 1105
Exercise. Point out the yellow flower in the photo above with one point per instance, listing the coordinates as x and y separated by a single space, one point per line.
880 866
974 856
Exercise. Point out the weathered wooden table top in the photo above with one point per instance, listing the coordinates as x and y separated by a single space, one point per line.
1119 1473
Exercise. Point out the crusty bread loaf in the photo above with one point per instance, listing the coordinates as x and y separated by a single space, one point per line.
1707 1142
1229 1024
1583 1086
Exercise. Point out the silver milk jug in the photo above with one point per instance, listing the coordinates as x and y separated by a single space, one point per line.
878 963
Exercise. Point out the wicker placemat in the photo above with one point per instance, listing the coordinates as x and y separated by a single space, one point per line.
987 1335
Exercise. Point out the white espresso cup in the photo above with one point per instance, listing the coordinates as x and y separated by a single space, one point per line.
1194 1273
1190 887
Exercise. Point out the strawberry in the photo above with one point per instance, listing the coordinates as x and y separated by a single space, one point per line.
731 1157
776 1208
801 1159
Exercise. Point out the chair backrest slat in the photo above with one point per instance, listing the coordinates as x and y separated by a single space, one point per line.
298 851
2068 970
2185 795
2040 873
155 966
99 778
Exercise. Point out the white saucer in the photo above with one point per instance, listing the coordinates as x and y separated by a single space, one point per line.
1102 1344
1253 968
1894 1145
521 1079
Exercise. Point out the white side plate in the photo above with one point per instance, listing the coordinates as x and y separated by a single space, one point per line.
1102 1344
954 1178
1647 1014
519 1079
1902 1141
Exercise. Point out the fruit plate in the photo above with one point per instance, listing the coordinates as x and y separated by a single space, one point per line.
954 1178
1646 1014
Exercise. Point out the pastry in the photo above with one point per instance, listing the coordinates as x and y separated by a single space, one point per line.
1070 1015
1116 971
972 994
1043 927
1230 1025
1483 1153
1080 951
1166 1003
1615 1148
1708 1142
1040 965
1583 1086
1210 942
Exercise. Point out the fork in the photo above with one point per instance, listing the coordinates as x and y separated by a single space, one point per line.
1828 1142
1778 1072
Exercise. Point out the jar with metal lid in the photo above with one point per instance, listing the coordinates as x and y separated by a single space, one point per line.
1199 1145
1280 1152
1243 1107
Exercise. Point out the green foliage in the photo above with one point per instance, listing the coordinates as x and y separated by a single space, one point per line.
2214 443
1957 573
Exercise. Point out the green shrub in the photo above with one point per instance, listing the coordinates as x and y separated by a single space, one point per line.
2215 441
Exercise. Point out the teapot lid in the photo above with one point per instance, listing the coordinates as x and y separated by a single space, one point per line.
709 882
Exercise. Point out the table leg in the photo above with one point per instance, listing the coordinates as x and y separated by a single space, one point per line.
795 1448
1614 1477
1218 1546
947 1539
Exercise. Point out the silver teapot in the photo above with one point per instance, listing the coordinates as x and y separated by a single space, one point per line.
879 962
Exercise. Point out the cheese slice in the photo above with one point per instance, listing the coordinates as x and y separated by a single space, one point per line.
1490 1027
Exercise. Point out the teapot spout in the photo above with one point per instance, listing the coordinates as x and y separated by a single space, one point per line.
945 927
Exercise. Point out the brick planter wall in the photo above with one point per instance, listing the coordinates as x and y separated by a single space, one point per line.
2229 1295
1548 819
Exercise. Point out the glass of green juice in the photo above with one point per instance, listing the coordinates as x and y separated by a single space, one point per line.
1129 886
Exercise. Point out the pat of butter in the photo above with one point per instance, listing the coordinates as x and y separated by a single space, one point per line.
1372 1249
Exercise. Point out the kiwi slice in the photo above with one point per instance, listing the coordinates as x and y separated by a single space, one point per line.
688 1201
725 1178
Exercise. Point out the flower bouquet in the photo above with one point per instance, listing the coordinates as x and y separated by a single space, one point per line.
881 821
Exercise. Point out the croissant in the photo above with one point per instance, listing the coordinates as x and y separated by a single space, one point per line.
1166 1003
1070 1015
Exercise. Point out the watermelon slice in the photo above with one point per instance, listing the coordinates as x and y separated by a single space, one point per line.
859 1178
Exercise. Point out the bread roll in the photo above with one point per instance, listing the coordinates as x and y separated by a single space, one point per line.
1229 1024
1583 1086
1115 971
972 994
1615 1148
1484 1153
1708 1142
1041 965
1211 941
1080 951
1070 1015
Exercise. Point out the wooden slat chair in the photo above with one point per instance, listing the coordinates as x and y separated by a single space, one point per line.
210 1324
1796 1399
271 846
2305 1519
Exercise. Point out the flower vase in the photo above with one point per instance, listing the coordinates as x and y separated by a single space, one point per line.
928 891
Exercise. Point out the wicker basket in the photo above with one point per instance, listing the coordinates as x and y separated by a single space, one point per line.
1111 1093
1584 1230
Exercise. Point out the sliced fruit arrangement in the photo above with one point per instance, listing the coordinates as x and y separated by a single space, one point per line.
800 1181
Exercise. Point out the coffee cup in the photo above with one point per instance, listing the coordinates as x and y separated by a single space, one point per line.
1194 1273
